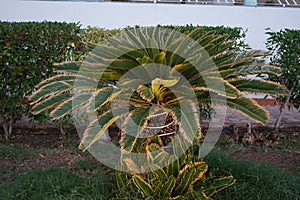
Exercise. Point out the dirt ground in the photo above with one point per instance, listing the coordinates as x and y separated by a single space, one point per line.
288 161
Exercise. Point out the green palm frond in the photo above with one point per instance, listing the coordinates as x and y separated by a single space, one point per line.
72 104
258 86
99 125
50 102
134 125
51 89
70 67
219 86
250 108
97 136
250 69
186 115
145 93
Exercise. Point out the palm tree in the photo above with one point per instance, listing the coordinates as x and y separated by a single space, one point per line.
151 83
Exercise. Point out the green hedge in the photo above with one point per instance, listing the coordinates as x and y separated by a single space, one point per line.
236 34
29 50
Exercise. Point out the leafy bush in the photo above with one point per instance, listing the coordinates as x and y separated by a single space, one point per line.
236 34
29 50
285 48
96 35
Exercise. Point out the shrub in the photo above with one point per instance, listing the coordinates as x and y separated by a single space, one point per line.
234 34
96 35
29 50
285 48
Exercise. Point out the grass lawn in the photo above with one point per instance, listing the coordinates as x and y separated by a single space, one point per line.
86 178
253 181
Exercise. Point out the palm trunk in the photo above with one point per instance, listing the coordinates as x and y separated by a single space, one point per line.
282 109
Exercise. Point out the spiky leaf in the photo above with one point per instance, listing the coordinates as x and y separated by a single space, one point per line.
143 186
146 93
70 105
50 89
249 108
188 118
173 167
185 178
219 184
50 102
133 127
167 188
258 86
201 169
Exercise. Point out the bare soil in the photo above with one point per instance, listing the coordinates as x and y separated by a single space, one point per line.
40 162
262 144
288 161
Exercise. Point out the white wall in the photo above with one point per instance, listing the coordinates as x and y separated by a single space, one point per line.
117 15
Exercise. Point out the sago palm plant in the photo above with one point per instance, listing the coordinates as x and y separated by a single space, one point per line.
151 82
148 72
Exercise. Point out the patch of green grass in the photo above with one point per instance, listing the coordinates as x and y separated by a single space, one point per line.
253 181
289 141
57 183
6 171
85 164
17 153
229 144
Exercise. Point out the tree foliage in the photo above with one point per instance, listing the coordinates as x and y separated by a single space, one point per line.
285 48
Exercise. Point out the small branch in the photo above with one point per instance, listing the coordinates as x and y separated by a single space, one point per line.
282 109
